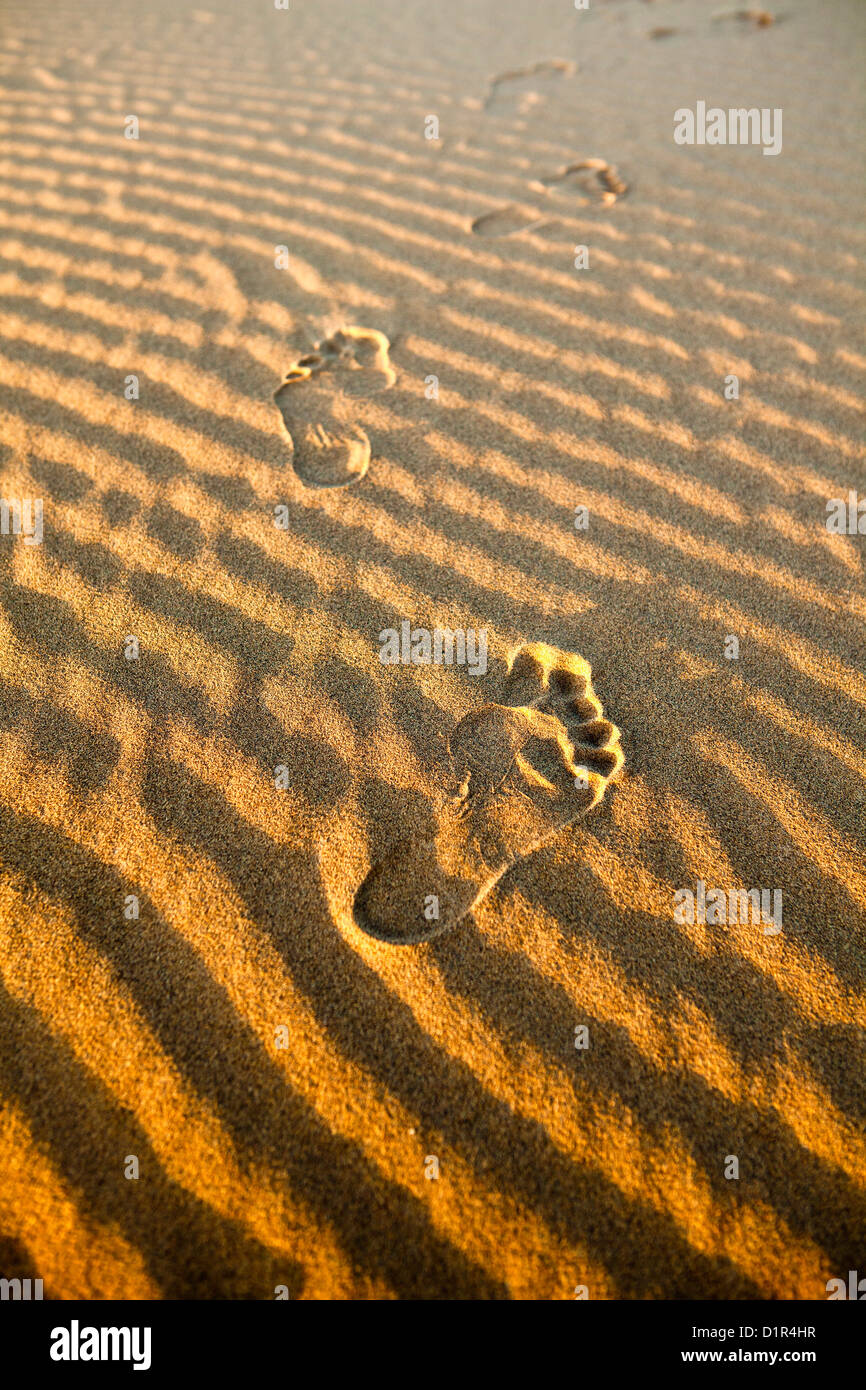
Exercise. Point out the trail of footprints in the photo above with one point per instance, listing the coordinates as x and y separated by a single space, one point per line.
758 19
522 768
596 179
545 754
320 396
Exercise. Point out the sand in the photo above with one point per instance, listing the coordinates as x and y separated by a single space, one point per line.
546 1098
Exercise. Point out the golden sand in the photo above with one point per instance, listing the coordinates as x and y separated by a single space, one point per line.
375 385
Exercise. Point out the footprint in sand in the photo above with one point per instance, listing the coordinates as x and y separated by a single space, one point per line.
761 19
319 402
520 89
507 221
522 769
596 179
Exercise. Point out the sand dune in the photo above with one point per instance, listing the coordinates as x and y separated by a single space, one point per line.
286 374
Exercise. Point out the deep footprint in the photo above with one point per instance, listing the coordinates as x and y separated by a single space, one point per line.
522 769
318 402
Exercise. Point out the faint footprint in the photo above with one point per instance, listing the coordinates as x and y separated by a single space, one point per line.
595 178
507 221
522 769
520 87
318 403
760 18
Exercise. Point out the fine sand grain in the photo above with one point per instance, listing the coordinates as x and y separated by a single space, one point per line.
377 376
